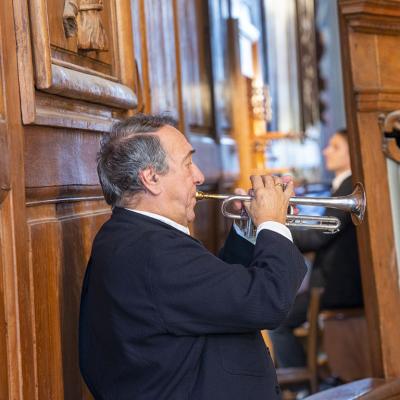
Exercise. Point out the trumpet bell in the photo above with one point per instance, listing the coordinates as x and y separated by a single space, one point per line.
360 204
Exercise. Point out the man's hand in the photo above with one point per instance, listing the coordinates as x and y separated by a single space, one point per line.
271 199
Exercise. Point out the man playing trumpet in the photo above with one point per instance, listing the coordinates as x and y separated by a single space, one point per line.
161 317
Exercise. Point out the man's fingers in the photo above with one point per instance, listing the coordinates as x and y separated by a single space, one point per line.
289 191
256 182
269 181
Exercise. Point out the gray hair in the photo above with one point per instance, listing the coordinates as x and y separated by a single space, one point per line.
128 150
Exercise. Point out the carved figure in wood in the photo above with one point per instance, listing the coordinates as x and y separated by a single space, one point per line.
82 19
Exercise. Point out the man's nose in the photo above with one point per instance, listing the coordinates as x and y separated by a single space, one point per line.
197 175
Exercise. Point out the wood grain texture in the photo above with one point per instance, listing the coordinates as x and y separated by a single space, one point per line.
41 43
60 243
25 61
56 157
19 361
4 189
367 78
4 160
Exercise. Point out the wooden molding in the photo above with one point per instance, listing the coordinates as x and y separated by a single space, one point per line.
62 194
377 100
77 85
56 111
372 16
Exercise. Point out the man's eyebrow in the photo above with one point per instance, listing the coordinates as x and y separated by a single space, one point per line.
188 155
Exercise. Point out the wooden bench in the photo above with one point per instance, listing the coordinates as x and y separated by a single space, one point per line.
364 389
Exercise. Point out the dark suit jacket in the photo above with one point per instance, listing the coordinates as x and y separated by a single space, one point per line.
336 257
162 318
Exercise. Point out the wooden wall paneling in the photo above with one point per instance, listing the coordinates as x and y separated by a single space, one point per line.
60 243
192 24
92 78
197 85
46 269
158 65
370 34
61 163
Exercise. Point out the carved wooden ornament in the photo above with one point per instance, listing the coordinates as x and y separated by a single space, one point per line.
390 128
82 19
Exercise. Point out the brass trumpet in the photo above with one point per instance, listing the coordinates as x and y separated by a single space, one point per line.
355 203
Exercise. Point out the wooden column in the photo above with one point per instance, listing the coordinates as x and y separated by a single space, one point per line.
18 373
370 35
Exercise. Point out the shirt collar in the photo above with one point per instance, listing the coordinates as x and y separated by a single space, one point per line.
338 180
161 218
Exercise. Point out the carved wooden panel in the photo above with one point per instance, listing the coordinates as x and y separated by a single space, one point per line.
81 61
85 36
60 238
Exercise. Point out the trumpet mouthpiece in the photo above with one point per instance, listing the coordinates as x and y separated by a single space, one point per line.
200 196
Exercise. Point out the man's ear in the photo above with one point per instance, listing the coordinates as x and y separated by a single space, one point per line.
150 180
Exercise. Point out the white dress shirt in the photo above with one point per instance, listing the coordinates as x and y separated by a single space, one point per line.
338 180
166 220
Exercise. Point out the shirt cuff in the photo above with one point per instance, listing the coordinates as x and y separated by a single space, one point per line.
275 227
